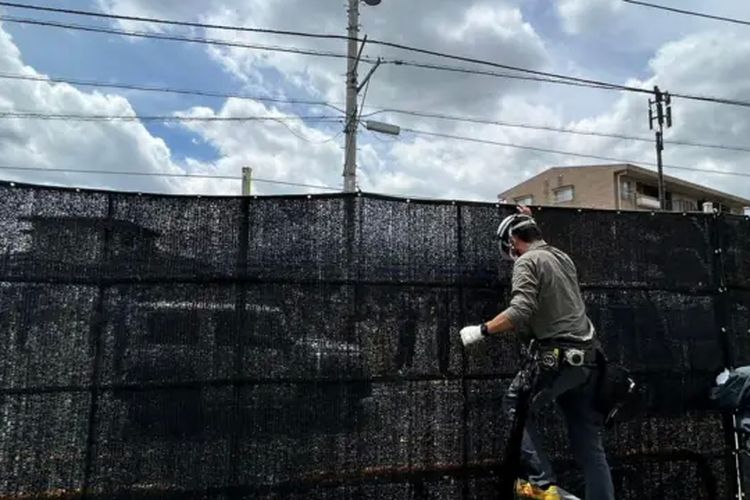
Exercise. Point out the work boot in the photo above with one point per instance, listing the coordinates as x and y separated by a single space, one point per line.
528 491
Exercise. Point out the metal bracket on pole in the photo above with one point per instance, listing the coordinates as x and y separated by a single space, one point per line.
369 75
359 53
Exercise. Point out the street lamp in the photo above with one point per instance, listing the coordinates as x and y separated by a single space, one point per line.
383 128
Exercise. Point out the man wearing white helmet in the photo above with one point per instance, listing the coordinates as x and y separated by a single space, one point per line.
546 304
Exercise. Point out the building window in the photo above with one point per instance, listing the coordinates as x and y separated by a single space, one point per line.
627 189
684 205
525 200
564 194
652 191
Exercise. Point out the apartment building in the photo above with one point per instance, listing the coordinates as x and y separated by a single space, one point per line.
619 187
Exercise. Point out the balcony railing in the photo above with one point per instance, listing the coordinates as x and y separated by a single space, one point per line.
644 201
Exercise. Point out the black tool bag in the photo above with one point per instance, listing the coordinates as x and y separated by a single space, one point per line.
617 398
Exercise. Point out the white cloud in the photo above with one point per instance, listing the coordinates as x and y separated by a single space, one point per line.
130 147
589 15
623 27
703 64
290 151
490 30
700 62
71 144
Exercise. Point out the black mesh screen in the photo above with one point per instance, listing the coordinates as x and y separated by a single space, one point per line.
307 347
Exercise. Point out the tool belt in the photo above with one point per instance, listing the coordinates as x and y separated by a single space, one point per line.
553 354
616 398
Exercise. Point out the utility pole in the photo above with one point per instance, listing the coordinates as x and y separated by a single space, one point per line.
660 109
353 88
247 180
350 129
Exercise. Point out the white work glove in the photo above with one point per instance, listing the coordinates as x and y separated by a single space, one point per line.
471 334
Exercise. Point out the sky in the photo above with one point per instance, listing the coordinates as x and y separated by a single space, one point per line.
608 40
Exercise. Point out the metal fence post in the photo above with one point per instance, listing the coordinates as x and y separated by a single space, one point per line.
96 333
722 315
240 286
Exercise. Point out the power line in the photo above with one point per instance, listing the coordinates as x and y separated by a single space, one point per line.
189 92
689 12
292 50
210 93
171 90
540 76
166 174
556 78
23 115
562 152
328 139
383 43
177 38
495 74
562 79
184 24
564 130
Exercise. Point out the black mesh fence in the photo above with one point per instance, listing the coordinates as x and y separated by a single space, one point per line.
307 347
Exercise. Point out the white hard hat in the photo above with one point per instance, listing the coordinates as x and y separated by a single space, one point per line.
506 229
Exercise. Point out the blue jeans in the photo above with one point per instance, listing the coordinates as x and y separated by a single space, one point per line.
573 388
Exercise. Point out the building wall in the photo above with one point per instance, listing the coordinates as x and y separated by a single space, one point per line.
628 197
597 187
594 187
681 200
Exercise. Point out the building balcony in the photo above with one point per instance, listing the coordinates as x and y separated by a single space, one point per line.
644 201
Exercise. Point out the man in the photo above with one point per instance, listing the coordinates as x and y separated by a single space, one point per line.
546 303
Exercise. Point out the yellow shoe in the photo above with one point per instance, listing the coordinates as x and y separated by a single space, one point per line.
552 493
528 491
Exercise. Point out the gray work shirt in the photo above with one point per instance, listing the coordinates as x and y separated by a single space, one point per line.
546 300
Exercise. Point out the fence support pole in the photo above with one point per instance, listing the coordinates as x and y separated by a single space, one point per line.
722 315
239 344
96 334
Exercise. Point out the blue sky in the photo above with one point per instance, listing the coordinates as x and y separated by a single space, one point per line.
602 39
109 58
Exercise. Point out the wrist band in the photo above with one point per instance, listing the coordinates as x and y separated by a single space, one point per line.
483 330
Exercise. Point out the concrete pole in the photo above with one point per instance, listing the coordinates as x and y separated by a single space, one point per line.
247 180
350 160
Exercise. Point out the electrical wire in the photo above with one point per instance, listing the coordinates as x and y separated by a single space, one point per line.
564 153
185 24
549 77
109 118
414 131
176 38
546 128
441 116
382 43
172 90
167 174
689 12
307 139
292 50
538 75
32 115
